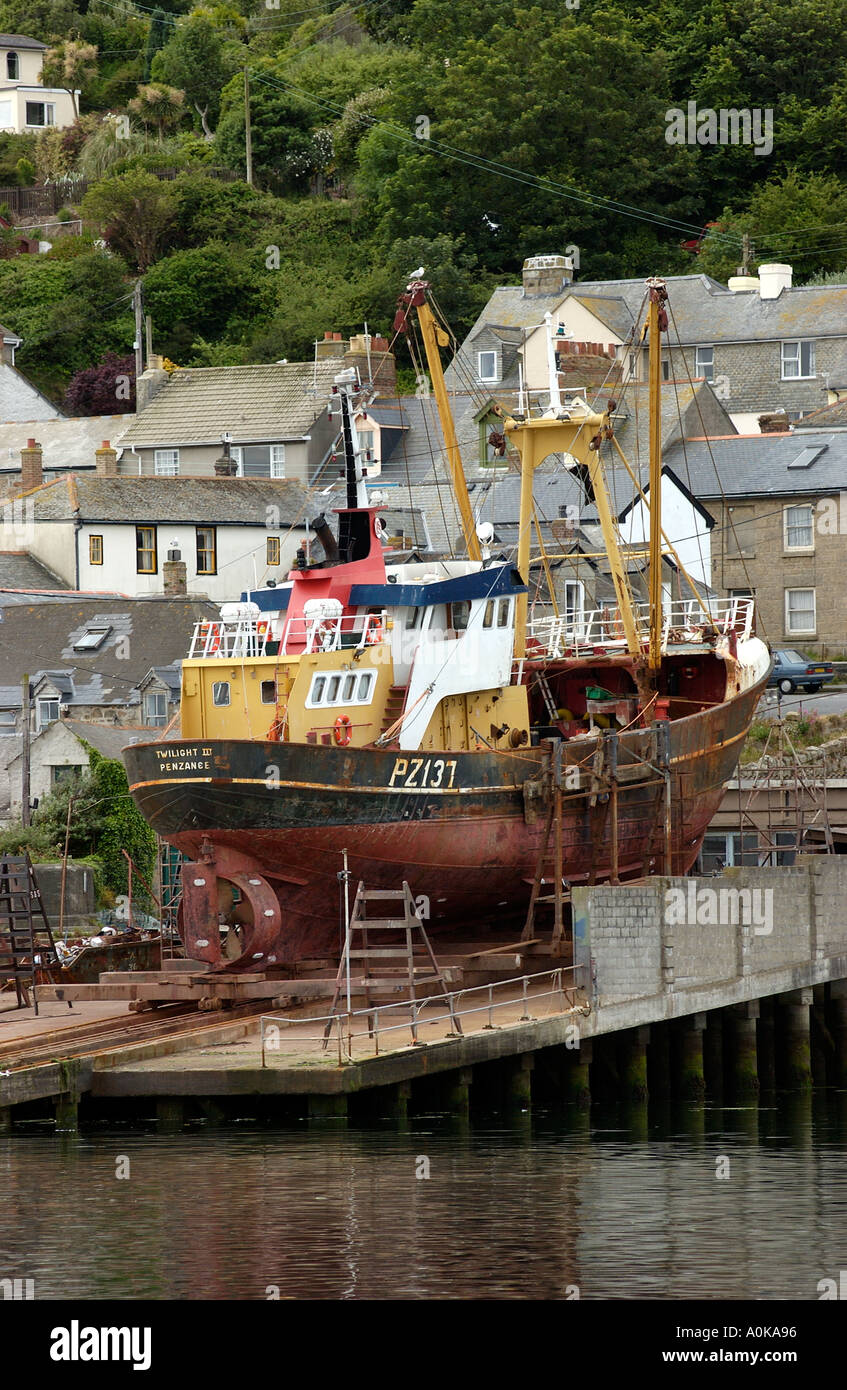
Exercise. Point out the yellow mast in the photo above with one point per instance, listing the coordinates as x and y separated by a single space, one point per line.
433 338
656 321
579 437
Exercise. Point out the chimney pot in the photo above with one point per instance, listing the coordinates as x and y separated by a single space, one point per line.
106 460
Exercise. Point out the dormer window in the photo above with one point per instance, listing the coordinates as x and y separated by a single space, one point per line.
13 67
47 712
487 366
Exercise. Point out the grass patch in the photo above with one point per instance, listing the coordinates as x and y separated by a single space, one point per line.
805 731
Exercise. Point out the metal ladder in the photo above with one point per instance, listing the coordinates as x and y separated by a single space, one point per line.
388 976
25 948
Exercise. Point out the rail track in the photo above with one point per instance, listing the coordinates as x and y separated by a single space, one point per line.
106 1034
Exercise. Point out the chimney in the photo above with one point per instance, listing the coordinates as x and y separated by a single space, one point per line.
107 460
773 279
32 472
148 384
383 367
742 284
174 575
546 275
225 465
332 345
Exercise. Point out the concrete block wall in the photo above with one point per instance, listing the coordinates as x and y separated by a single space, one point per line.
673 934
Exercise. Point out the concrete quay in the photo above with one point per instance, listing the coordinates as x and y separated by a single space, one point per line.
683 988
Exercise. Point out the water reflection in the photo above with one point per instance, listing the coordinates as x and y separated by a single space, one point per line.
619 1210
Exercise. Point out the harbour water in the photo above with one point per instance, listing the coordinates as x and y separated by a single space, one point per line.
746 1203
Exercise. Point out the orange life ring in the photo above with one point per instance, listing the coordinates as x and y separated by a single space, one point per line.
343 731
215 636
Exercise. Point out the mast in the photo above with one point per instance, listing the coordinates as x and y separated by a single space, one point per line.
433 338
657 321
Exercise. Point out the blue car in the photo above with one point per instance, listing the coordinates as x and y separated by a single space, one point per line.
791 668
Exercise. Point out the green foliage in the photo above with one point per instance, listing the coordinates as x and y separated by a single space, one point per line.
36 840
25 170
134 212
199 62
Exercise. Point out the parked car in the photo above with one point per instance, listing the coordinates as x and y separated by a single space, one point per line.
791 668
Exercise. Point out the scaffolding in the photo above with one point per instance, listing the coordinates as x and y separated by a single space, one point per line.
782 802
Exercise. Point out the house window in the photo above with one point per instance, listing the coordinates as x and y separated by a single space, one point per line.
93 638
95 550
366 440
47 712
237 455
800 614
666 369
277 460
727 849
166 462
63 772
798 359
573 601
13 67
8 721
145 550
40 113
487 366
799 529
155 707
273 549
220 692
704 362
207 554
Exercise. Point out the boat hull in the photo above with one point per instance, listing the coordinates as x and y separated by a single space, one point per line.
463 829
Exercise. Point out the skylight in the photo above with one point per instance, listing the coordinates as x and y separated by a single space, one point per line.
806 457
91 639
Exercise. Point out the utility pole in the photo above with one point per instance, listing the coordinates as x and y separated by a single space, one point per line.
25 788
746 253
248 143
138 306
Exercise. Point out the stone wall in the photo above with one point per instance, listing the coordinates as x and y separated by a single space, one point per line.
670 935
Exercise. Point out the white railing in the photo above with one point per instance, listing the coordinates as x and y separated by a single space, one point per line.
683 621
240 637
330 634
434 1010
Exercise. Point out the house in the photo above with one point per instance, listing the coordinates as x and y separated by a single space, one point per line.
25 106
149 536
780 512
19 399
762 342
97 659
266 421
62 751
67 444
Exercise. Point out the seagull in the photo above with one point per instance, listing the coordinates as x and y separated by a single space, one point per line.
416 274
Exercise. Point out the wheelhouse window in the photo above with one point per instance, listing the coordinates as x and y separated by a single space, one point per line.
220 692
207 551
487 366
145 550
798 359
155 708
799 528
460 615
40 113
268 692
503 612
166 463
95 550
800 611
272 551
353 688
704 362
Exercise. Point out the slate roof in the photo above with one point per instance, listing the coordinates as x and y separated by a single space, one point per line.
271 402
108 739
19 41
21 571
39 638
759 465
65 443
232 501
835 415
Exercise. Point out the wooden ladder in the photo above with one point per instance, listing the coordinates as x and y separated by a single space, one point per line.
25 948
384 976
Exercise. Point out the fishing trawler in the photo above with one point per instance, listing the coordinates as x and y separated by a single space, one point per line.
412 716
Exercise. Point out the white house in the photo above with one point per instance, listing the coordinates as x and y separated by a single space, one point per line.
26 106
144 537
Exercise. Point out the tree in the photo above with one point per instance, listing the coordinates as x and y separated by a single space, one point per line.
134 212
95 390
213 291
157 37
798 218
70 65
196 60
159 106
